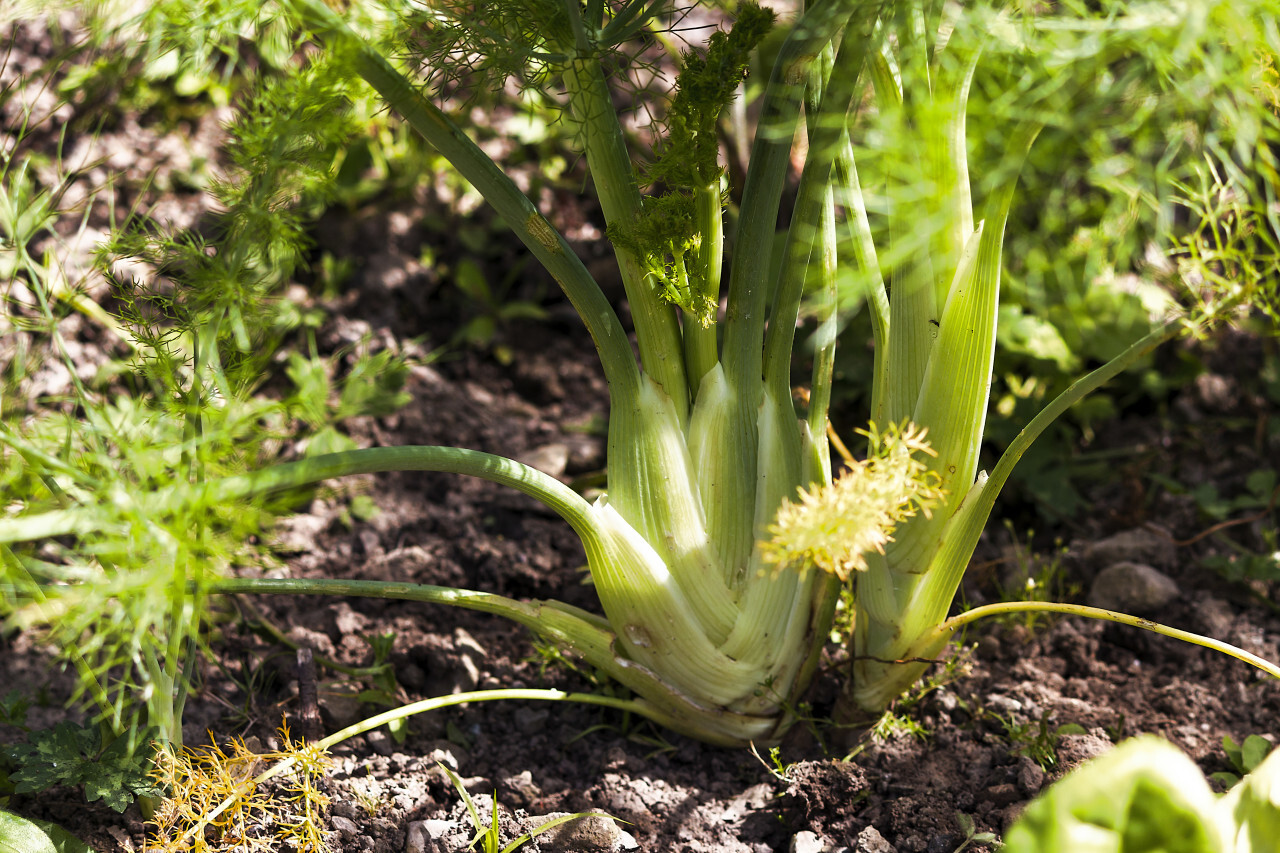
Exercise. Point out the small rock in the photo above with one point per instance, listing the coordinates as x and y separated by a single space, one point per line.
319 643
522 791
1141 545
615 758
871 841
1005 705
380 742
297 534
806 841
345 825
122 837
1132 588
531 720
1030 776
410 675
449 754
754 798
1074 750
1215 617
348 621
340 705
1002 795
426 836
470 655
416 839
1217 393
594 833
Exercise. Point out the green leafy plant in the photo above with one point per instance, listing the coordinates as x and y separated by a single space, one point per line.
1038 741
182 402
719 548
1147 795
493 311
109 768
971 835
1244 757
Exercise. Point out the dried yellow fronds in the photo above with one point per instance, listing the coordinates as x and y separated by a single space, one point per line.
201 781
834 526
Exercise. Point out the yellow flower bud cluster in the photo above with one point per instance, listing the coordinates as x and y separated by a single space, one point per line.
835 526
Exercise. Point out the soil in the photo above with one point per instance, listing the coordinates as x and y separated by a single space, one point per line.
983 738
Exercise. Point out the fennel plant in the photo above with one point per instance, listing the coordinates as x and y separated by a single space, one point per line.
718 550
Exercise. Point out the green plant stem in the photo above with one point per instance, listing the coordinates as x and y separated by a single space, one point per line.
657 332
531 614
291 475
948 628
828 112
876 684
585 633
858 227
824 356
701 351
762 194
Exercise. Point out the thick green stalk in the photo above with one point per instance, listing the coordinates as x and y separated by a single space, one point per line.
914 311
828 113
762 195
948 159
734 416
701 350
899 595
657 331
875 683
824 355
864 250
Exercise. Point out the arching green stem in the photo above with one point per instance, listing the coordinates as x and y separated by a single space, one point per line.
435 704
1005 607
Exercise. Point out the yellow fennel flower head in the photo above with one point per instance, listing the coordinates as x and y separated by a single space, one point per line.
835 526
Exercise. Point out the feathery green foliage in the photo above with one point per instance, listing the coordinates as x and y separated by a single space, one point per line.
201 319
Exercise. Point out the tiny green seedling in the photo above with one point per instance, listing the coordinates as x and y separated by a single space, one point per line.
488 835
1038 741
777 768
972 836
1244 757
